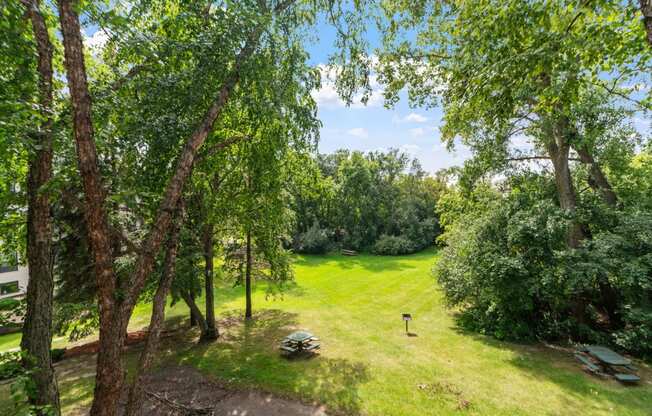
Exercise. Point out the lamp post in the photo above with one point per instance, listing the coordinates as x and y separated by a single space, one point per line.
407 317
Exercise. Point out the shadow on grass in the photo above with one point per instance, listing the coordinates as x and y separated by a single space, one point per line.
558 365
247 356
367 262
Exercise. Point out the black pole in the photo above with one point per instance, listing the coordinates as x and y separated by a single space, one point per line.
406 326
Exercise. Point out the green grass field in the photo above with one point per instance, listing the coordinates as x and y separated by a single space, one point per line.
367 363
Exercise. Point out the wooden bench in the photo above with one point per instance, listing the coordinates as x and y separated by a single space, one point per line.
288 349
349 252
627 378
589 365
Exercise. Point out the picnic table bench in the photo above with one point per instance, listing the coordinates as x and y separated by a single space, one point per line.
299 342
349 252
603 361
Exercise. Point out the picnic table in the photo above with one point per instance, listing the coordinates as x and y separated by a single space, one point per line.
299 342
603 361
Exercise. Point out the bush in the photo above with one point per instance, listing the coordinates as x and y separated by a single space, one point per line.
313 241
510 271
9 304
10 365
389 245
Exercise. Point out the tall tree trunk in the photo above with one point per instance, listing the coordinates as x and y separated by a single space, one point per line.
211 329
37 327
109 374
646 10
565 190
158 317
248 312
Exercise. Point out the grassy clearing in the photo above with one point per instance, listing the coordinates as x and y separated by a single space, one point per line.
369 366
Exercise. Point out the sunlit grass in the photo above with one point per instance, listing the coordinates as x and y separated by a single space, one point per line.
369 366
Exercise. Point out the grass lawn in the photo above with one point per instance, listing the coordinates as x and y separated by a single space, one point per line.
368 365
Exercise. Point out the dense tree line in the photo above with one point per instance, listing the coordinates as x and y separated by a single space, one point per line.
379 201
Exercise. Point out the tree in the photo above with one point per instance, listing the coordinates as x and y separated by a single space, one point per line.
37 326
360 199
117 298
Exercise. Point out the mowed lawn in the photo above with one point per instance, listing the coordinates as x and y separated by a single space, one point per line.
367 364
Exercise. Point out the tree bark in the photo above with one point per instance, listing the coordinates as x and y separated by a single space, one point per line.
195 312
158 317
646 10
566 192
248 311
597 179
211 329
37 327
109 374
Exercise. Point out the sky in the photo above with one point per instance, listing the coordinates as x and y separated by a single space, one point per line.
414 131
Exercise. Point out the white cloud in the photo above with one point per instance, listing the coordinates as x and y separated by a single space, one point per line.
359 132
417 132
328 97
410 149
415 118
96 41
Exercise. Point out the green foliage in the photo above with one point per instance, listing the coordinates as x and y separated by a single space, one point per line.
76 320
10 365
314 241
356 198
508 269
390 245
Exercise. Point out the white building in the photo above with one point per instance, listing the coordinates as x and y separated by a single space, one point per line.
13 281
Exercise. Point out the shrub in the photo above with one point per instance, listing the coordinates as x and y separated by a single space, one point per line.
389 245
10 365
513 276
313 241
9 304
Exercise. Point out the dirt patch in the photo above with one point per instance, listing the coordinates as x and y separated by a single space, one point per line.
182 390
132 338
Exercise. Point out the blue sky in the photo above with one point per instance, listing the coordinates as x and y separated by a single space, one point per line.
414 131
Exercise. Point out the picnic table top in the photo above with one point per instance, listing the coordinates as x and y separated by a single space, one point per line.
606 355
300 336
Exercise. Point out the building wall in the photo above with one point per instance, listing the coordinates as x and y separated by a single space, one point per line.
21 276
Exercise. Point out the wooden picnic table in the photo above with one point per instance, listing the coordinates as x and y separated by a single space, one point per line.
603 361
607 356
300 341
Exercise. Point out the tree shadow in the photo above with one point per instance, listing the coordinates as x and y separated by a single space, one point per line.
368 262
247 355
558 365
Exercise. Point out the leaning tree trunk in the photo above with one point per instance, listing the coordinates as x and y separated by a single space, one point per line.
37 327
158 317
597 179
211 329
248 311
195 312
